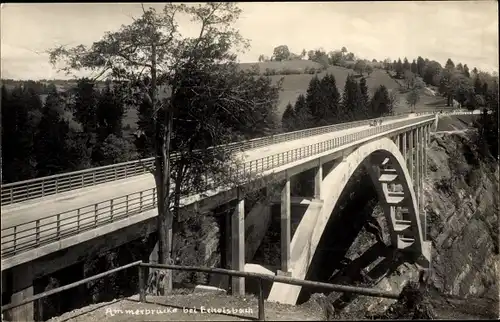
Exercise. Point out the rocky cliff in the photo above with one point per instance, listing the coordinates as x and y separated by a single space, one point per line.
461 196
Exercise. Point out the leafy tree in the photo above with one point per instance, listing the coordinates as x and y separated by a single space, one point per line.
115 149
369 70
360 67
50 141
303 54
412 98
289 118
343 51
261 58
17 118
335 58
145 130
432 73
350 56
380 103
409 79
206 88
109 114
85 105
281 53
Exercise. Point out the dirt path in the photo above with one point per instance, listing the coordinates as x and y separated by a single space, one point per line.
190 307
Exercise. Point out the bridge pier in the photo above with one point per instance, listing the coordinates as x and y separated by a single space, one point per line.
318 179
22 288
410 157
286 234
404 141
238 246
417 184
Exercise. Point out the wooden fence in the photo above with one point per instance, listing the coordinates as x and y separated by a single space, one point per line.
142 271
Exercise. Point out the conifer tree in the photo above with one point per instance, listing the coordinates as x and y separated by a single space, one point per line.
288 120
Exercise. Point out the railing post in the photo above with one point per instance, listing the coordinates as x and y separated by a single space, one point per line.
142 284
58 225
43 188
115 174
111 208
95 214
11 195
39 309
262 315
37 229
126 205
93 178
140 201
83 180
78 219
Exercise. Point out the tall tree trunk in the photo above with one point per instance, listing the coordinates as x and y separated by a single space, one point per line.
162 175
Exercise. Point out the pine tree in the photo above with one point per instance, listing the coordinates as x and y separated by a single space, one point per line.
85 105
314 100
303 115
50 140
380 103
331 98
420 66
466 71
406 65
364 99
288 120
414 68
399 68
350 101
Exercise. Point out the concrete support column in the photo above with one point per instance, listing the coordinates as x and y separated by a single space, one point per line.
238 246
404 148
426 145
398 141
22 288
417 165
409 162
318 178
285 228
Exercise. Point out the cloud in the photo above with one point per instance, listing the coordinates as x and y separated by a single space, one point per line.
467 32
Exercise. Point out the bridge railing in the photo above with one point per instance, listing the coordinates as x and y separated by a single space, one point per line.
45 230
142 273
50 185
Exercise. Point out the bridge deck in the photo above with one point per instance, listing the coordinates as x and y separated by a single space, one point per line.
34 209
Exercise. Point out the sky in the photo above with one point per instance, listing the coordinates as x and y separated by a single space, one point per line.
465 31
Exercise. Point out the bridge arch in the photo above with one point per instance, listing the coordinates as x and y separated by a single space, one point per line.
387 169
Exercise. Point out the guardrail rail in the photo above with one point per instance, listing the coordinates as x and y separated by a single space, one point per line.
35 233
45 186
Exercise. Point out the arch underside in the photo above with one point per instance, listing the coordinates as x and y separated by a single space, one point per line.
389 174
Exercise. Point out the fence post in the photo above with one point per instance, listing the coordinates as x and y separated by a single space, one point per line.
37 228
58 225
78 219
15 237
39 309
95 214
142 284
111 208
262 315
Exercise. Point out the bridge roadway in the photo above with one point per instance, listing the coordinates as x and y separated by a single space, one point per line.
26 213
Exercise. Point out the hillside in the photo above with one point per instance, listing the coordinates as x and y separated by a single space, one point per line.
296 84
